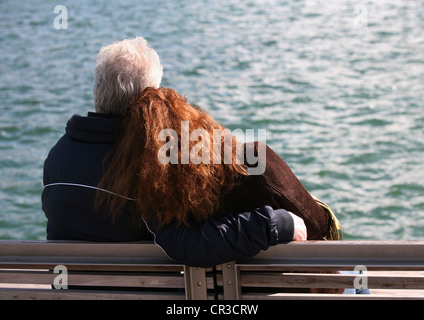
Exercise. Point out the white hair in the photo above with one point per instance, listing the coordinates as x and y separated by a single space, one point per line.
123 70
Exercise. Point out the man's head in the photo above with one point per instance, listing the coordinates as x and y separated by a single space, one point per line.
123 70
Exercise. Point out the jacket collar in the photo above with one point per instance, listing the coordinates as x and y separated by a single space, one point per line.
94 128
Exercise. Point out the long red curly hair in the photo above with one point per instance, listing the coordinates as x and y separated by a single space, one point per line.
186 193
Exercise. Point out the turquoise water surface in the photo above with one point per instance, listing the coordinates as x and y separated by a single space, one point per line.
338 85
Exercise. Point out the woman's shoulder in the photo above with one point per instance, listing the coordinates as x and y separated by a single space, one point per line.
259 156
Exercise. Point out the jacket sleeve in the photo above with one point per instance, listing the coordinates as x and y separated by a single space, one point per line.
227 238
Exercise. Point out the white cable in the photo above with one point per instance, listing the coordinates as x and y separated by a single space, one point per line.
85 186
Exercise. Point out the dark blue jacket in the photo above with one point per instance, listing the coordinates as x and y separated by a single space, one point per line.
72 171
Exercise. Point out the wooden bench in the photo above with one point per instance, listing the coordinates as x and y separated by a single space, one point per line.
83 270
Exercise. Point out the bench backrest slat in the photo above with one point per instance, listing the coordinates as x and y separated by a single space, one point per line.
319 280
31 294
405 255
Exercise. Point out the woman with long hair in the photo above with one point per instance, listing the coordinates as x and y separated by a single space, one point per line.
188 192
191 192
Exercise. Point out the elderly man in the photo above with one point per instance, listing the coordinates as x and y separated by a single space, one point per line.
75 165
